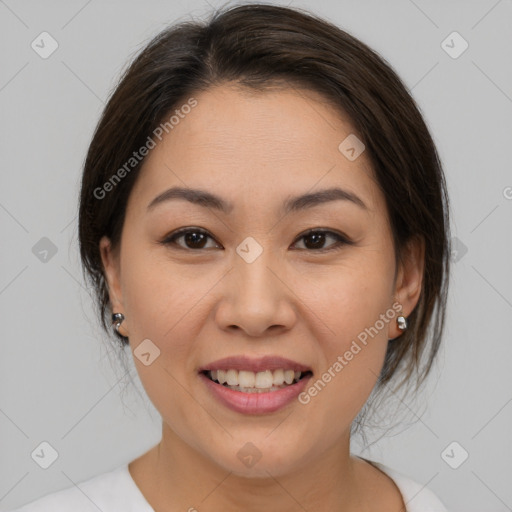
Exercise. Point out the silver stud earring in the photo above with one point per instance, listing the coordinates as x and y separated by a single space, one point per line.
117 320
401 321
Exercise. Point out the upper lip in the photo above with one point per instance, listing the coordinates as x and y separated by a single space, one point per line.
256 365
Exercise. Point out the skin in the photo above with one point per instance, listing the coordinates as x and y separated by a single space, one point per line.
198 305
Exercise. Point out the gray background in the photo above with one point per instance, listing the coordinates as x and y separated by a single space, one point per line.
61 381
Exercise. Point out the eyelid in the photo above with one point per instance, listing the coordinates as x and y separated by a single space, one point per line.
341 238
170 238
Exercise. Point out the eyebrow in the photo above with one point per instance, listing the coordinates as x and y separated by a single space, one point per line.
209 200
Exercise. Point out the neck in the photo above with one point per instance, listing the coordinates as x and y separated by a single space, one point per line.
175 476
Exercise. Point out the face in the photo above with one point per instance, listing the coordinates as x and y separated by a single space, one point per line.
314 284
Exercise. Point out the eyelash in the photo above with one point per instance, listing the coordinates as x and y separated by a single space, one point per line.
341 240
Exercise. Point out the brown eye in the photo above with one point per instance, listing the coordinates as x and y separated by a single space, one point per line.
193 238
315 240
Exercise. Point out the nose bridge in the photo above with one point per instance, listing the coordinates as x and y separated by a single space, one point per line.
256 282
258 297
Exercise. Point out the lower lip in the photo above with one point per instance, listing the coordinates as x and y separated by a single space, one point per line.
255 403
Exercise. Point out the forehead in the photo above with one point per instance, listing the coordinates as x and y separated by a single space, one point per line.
284 123
257 144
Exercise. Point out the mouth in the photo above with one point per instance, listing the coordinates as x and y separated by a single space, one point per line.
250 385
266 381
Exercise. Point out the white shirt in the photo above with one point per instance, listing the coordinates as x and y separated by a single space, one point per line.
116 491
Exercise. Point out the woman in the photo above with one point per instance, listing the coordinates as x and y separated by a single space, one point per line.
263 216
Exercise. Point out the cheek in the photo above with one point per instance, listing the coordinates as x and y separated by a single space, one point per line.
350 296
352 359
162 306
156 292
168 304
354 310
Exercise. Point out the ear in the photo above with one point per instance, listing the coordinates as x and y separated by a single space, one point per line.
409 279
111 267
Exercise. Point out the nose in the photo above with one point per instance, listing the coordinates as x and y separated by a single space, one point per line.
257 298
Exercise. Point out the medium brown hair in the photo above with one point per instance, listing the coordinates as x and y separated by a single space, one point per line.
258 46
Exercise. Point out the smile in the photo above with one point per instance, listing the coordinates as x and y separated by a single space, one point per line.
255 382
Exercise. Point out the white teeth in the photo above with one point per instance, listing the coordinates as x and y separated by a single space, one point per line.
232 377
250 380
278 377
289 375
245 379
264 380
221 376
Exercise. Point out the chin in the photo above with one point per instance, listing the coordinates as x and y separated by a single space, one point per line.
260 458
